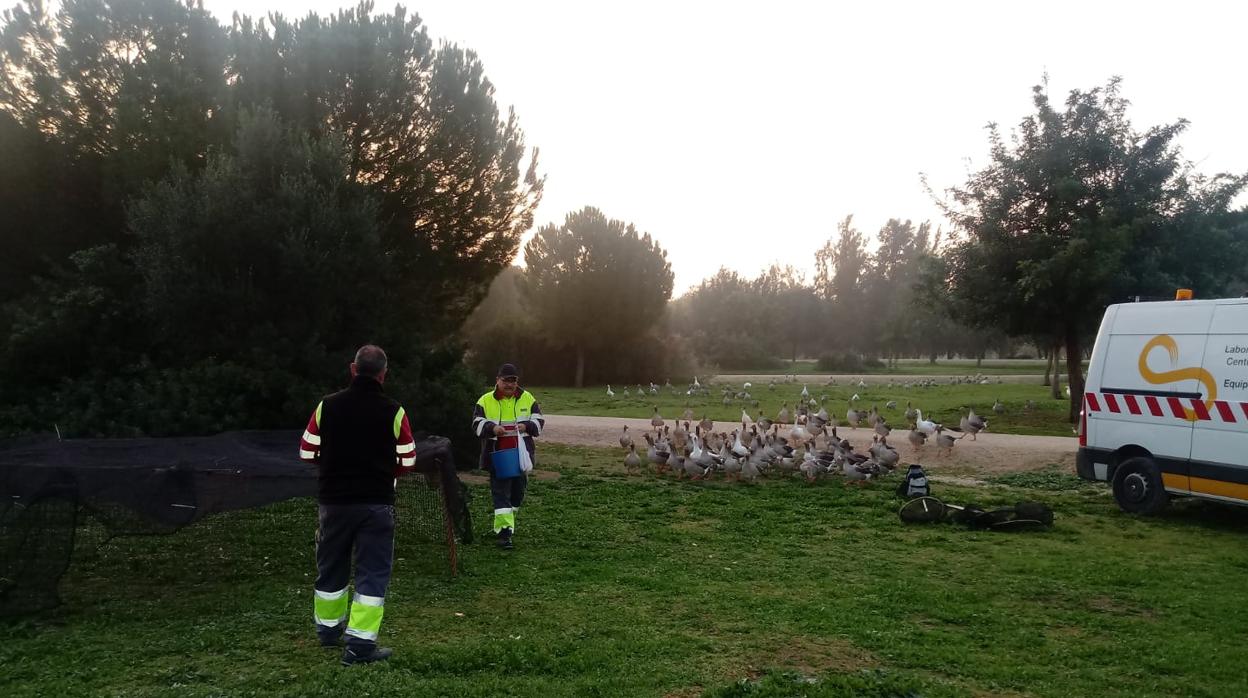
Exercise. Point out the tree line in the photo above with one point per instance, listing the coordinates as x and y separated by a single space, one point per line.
203 220
1075 209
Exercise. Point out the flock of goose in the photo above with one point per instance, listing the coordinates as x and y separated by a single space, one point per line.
810 444
699 389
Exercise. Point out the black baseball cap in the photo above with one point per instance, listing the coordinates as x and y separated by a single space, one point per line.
508 371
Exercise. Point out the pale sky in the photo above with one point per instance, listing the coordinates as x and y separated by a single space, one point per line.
738 134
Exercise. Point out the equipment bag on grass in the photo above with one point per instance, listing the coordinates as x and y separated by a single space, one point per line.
1022 516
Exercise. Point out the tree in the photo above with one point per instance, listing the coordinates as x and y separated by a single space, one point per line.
728 322
421 128
1079 210
593 282
839 268
269 244
176 175
97 100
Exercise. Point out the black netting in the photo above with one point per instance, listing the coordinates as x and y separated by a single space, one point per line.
51 490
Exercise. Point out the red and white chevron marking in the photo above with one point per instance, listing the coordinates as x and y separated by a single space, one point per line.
1168 407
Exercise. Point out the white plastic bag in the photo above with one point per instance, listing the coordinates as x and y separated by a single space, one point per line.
526 461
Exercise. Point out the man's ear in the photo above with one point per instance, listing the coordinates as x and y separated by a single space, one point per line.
355 370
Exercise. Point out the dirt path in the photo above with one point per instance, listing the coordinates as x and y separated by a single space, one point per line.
990 453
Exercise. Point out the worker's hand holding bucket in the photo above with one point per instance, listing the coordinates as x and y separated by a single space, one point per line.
508 462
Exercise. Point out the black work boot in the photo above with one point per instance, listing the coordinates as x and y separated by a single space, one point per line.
330 637
504 539
365 655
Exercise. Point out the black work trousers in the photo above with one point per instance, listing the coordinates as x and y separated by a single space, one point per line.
367 530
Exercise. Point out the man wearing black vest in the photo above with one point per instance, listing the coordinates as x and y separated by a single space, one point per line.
360 440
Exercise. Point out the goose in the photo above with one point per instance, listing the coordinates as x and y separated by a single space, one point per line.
911 413
632 461
799 435
924 425
625 393
687 415
693 466
885 455
973 424
656 453
805 392
1031 405
745 418
783 416
732 464
855 398
656 421
779 446
706 424
680 436
747 385
916 439
853 416
857 472
890 405
862 384
944 441
809 467
610 392
762 422
997 407
873 417
705 456
675 462
739 449
749 469
626 439
882 428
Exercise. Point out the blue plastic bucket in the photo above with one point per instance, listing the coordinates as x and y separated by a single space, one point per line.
506 463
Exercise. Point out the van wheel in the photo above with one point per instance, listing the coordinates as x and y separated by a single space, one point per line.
1138 487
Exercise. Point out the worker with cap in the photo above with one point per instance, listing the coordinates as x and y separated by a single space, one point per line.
507 417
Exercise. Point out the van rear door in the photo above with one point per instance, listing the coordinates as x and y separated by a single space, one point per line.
1220 439
1148 384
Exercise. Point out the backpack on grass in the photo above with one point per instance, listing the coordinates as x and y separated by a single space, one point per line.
914 484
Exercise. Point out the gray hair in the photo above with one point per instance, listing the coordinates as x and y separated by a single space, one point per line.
370 361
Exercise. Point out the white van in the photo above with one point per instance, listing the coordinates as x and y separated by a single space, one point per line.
1165 410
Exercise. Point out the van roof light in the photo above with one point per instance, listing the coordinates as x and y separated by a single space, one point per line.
1183 294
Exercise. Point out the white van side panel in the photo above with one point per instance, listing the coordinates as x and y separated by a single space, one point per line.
1096 368
1128 414
1171 317
1223 437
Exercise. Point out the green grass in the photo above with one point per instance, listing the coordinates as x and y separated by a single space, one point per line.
638 586
942 403
913 367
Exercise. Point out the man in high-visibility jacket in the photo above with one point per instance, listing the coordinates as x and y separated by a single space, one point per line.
507 417
361 441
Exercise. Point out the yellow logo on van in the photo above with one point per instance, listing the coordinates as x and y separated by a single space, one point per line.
1178 374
